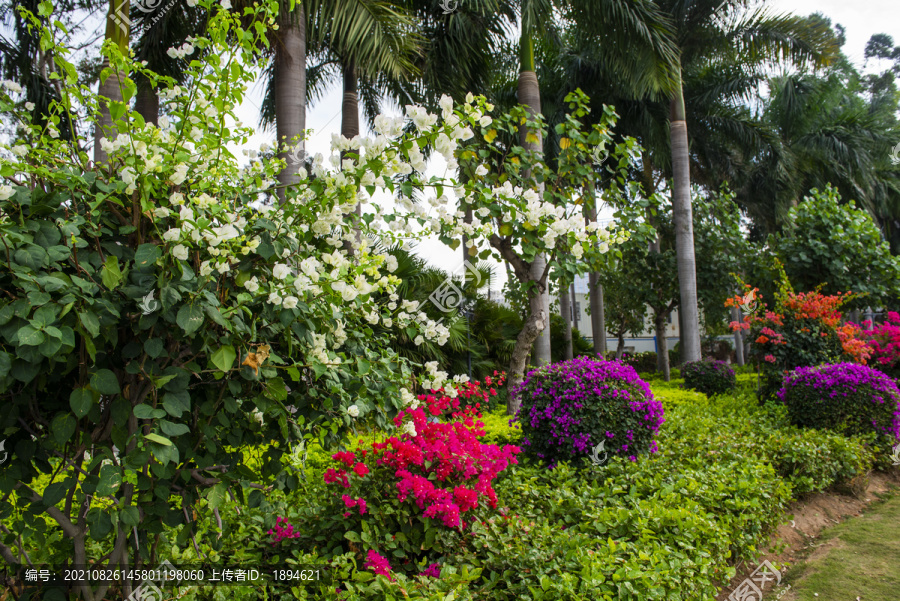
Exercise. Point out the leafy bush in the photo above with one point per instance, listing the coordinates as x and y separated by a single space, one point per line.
480 396
708 377
884 342
412 495
845 397
570 407
643 362
814 461
804 329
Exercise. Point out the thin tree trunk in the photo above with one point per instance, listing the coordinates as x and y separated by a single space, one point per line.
620 347
595 290
738 337
290 94
684 229
649 190
598 317
118 32
147 104
662 346
534 323
565 309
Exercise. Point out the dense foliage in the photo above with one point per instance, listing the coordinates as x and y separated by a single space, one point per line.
570 408
708 377
838 247
847 398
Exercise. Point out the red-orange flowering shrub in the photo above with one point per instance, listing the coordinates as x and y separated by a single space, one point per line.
804 329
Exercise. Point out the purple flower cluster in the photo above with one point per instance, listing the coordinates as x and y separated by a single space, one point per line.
569 407
844 383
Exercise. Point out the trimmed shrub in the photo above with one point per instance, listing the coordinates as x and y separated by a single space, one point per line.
847 398
708 377
568 408
643 362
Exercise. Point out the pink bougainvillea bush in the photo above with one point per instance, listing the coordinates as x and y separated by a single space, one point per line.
407 500
884 342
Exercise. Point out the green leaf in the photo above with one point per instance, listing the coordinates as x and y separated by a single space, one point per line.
352 536
224 357
216 495
190 318
63 426
143 411
172 429
90 322
105 382
154 348
110 479
158 439
110 274
146 255
29 336
176 403
99 523
80 401
130 516
54 493
364 366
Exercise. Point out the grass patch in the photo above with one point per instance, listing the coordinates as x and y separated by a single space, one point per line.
861 560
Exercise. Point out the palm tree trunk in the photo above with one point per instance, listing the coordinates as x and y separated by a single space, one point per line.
290 93
350 129
530 96
620 347
598 314
147 104
565 309
118 32
684 229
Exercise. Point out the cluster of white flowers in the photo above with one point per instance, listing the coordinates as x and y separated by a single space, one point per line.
408 399
182 51
6 191
12 86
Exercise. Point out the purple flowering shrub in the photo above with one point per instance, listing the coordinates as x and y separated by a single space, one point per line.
569 408
708 377
848 398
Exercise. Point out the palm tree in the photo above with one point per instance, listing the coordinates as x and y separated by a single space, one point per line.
155 34
118 33
289 90
714 32
23 61
636 24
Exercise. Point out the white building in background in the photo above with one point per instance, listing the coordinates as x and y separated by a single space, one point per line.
635 344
